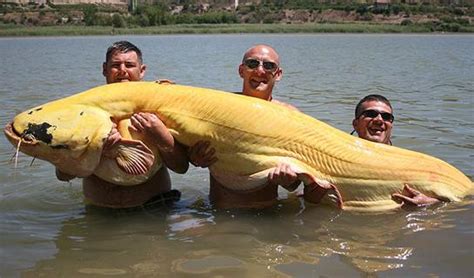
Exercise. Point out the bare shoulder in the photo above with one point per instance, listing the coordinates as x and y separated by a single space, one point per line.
287 105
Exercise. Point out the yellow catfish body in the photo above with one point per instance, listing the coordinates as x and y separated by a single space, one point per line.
250 136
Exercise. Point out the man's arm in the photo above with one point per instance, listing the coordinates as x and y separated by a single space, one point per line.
173 154
201 154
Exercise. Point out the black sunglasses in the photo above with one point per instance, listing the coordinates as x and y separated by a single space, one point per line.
388 117
267 65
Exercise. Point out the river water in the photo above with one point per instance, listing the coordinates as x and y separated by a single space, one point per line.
47 231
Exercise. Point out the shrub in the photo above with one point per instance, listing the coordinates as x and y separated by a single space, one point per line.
458 11
143 20
406 22
184 18
453 27
395 9
445 27
463 21
103 19
270 18
90 15
378 10
118 21
447 19
216 17
362 9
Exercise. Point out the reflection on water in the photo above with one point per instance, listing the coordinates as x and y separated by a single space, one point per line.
47 231
178 240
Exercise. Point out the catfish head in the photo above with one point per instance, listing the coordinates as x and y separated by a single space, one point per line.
70 136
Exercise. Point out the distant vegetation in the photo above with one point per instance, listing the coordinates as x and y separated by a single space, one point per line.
409 17
12 30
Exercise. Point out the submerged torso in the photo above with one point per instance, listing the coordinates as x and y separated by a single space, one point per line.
105 194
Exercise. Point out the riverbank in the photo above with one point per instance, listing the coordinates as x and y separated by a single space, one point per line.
67 30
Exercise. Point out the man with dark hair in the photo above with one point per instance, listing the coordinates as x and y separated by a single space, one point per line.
373 119
124 63
124 47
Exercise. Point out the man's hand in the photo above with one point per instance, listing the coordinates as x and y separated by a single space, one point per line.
172 153
164 81
152 126
201 154
113 138
283 175
315 192
414 197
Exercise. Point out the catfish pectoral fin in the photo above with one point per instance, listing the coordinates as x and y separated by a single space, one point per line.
133 157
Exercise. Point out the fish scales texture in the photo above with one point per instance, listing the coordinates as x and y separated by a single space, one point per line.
251 136
277 133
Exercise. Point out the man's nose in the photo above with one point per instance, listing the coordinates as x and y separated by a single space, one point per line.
122 67
260 69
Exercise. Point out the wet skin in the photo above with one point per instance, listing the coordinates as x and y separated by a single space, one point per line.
126 67
257 82
374 129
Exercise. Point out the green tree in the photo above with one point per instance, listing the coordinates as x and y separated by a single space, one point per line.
118 21
90 15
156 14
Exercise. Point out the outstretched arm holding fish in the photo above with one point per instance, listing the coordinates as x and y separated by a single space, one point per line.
260 70
124 63
374 126
251 137
373 121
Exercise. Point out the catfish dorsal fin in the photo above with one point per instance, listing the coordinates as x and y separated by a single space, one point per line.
133 157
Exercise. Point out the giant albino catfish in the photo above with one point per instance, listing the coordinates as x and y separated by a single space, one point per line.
250 136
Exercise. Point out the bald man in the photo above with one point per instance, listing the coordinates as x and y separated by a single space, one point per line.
260 70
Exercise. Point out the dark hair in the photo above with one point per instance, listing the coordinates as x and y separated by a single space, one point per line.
124 47
380 98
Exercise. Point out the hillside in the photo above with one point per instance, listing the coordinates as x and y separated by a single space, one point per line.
452 18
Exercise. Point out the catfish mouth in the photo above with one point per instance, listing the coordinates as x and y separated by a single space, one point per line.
15 137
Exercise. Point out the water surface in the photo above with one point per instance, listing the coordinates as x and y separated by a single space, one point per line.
46 229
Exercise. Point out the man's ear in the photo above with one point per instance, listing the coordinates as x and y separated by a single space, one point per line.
142 71
278 74
354 124
104 69
241 70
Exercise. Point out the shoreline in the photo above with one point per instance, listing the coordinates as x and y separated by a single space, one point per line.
309 28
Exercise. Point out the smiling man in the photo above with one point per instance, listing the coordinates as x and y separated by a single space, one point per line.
124 63
374 119
260 70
